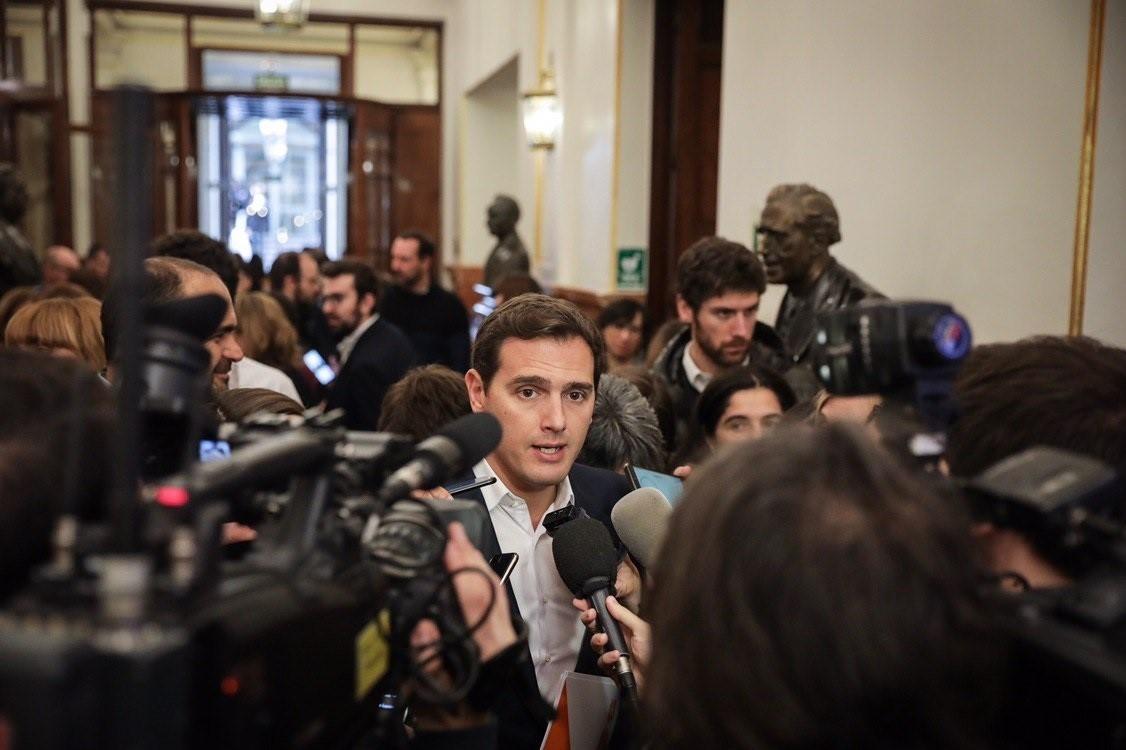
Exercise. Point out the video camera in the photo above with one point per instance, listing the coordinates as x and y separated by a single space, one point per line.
1066 683
294 645
142 632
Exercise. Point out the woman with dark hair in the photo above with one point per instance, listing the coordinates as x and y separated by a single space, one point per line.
842 593
741 404
623 325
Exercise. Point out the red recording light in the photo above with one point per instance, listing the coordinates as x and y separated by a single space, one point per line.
171 496
230 686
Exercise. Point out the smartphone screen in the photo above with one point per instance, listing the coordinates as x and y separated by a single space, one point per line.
320 369
666 484
213 450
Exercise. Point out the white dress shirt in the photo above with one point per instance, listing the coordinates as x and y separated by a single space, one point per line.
555 632
250 373
348 343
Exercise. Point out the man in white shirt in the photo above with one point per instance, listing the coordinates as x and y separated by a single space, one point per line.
536 363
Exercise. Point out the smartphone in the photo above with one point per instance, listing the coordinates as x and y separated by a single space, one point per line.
666 484
321 370
503 564
213 450
470 484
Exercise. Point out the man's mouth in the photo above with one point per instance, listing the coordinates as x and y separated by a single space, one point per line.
549 450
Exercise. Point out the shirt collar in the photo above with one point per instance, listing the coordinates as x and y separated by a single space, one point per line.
494 493
348 343
697 377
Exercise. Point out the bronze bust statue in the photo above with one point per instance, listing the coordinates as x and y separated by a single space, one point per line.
797 227
509 255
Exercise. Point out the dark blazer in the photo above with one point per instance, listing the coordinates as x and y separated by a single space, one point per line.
520 718
380 358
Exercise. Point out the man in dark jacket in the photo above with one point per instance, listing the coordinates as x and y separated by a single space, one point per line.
798 225
373 353
432 318
719 284
536 366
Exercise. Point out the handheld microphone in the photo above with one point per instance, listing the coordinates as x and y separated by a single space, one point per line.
641 519
588 563
458 445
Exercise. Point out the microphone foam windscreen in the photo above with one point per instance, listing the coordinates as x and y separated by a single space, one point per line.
475 435
641 519
583 550
198 317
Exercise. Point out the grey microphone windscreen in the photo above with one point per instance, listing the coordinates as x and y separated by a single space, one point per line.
641 518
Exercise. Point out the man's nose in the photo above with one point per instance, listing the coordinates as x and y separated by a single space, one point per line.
553 418
741 326
232 350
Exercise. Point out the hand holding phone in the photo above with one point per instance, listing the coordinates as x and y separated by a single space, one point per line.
666 484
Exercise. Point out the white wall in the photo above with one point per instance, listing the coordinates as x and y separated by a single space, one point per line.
490 149
636 139
1106 271
947 132
581 41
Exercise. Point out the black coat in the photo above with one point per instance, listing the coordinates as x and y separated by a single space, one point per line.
520 717
380 358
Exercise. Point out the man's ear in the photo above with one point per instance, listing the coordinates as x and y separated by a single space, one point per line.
475 386
683 310
367 304
289 286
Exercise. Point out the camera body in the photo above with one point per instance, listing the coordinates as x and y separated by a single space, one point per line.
290 646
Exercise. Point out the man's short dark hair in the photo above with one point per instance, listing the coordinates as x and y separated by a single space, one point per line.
163 282
845 595
424 401
196 246
1063 392
713 266
529 317
362 275
285 265
426 247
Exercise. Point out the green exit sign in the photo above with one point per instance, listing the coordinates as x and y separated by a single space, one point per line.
271 82
633 269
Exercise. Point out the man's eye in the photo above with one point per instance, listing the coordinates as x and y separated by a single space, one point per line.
576 395
526 392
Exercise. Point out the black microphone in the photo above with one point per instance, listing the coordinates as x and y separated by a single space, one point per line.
588 563
641 519
457 446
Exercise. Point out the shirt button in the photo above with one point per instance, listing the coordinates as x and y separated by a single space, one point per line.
547 660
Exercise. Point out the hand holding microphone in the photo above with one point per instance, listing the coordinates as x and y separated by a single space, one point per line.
635 631
587 562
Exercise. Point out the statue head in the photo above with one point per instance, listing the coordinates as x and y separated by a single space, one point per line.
503 214
797 227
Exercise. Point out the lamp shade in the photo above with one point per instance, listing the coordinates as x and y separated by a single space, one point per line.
543 115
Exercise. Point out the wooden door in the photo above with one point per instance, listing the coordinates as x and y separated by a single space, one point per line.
687 68
417 202
369 201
